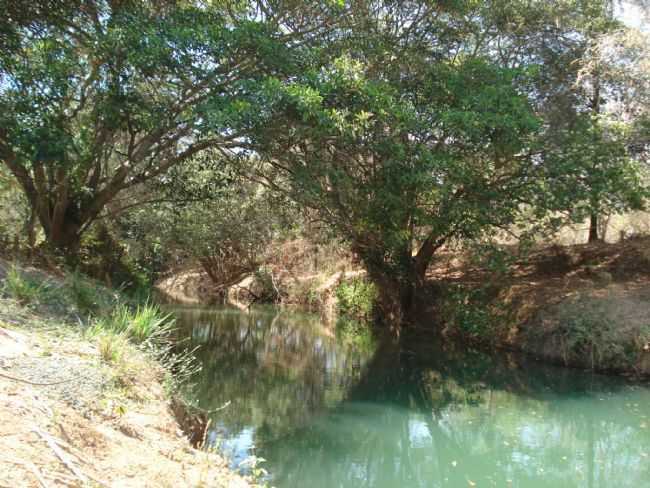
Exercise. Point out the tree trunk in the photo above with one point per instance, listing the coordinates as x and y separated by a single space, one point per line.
65 238
593 228
31 232
396 301
398 288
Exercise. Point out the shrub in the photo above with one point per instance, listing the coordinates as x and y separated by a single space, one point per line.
473 312
144 323
586 331
23 288
356 298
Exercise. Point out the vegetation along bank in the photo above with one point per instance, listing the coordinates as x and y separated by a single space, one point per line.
87 394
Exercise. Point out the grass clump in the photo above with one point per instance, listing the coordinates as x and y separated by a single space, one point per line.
23 288
143 323
112 347
151 330
110 319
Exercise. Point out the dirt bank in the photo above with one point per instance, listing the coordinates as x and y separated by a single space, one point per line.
585 306
70 418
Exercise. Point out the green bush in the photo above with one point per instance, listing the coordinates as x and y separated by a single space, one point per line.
475 312
23 288
356 298
586 332
144 323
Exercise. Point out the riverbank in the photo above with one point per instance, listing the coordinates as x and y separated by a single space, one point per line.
584 306
83 407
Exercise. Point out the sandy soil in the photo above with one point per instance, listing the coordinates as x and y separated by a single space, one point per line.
66 420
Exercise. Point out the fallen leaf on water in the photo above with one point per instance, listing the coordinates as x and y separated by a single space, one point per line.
471 483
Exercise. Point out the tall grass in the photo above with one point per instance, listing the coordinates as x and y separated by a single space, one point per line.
23 288
108 317
143 323
152 330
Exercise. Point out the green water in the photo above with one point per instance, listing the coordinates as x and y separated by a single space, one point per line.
334 411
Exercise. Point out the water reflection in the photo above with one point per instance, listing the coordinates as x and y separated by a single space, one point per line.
414 414
276 370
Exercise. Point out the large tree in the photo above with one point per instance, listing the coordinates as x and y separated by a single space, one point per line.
99 96
401 174
429 130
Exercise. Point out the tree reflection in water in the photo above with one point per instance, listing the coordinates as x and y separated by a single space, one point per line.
411 415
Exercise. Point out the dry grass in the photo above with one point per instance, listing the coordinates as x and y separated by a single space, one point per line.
543 302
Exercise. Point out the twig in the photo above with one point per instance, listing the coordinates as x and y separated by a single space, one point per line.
60 454
32 469
225 405
34 383
205 433
38 476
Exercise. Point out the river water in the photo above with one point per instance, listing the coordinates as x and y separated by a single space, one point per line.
327 409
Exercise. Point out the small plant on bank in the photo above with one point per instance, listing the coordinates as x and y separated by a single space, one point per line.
472 311
139 324
111 347
22 288
356 299
151 330
588 334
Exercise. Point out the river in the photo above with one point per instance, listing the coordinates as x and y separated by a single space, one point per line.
327 409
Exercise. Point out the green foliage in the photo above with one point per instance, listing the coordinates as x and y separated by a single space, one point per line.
22 287
402 126
356 299
589 170
14 215
143 323
114 94
586 331
397 176
470 312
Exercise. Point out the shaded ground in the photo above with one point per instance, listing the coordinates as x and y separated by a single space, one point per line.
581 305
585 305
67 418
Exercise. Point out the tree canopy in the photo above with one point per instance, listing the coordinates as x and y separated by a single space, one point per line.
111 94
403 126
